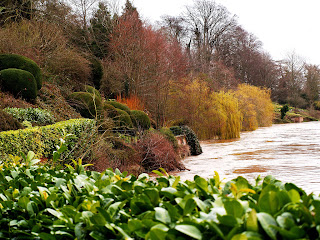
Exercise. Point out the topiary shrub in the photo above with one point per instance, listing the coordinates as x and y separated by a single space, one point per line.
23 63
140 119
87 104
176 130
119 106
109 110
192 139
7 122
92 90
122 119
96 72
19 82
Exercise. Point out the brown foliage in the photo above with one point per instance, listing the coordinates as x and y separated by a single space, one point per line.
7 122
155 152
142 61
45 44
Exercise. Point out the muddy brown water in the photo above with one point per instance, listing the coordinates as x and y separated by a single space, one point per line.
289 152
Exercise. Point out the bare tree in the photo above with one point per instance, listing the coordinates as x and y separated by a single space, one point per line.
206 22
84 8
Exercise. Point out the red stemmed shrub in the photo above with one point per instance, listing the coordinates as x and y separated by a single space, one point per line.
155 151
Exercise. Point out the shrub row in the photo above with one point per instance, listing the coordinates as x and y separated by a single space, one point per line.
38 202
35 115
43 140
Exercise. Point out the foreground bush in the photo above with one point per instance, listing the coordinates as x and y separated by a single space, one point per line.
23 63
35 115
43 140
39 202
18 82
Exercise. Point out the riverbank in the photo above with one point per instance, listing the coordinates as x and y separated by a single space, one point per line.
290 152
294 115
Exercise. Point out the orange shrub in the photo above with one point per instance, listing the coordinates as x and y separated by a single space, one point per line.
133 102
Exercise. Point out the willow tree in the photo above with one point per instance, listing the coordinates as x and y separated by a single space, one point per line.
255 105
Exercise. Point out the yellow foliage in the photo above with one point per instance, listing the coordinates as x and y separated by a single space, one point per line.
255 105
209 114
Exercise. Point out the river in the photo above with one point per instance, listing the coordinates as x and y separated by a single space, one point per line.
289 152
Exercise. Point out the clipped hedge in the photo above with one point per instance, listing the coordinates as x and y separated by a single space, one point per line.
92 90
19 82
119 106
192 139
23 63
140 120
122 119
34 115
43 140
87 104
110 111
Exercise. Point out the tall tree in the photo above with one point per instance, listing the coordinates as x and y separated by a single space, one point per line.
312 86
292 80
207 21
101 25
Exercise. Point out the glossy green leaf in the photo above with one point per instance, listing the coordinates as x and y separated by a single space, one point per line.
252 221
162 215
267 221
189 206
157 232
189 230
234 208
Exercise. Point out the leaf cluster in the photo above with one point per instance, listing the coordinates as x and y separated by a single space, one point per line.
42 202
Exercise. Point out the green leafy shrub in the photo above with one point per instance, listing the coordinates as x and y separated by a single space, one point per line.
284 111
122 119
170 136
34 115
192 139
87 104
43 140
92 90
18 82
7 122
176 130
140 119
23 63
119 106
43 202
110 111
96 72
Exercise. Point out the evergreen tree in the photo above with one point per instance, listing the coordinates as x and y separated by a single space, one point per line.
101 28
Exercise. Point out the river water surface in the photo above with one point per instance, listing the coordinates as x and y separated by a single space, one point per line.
289 152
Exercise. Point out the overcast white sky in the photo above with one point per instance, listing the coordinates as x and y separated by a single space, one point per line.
282 25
